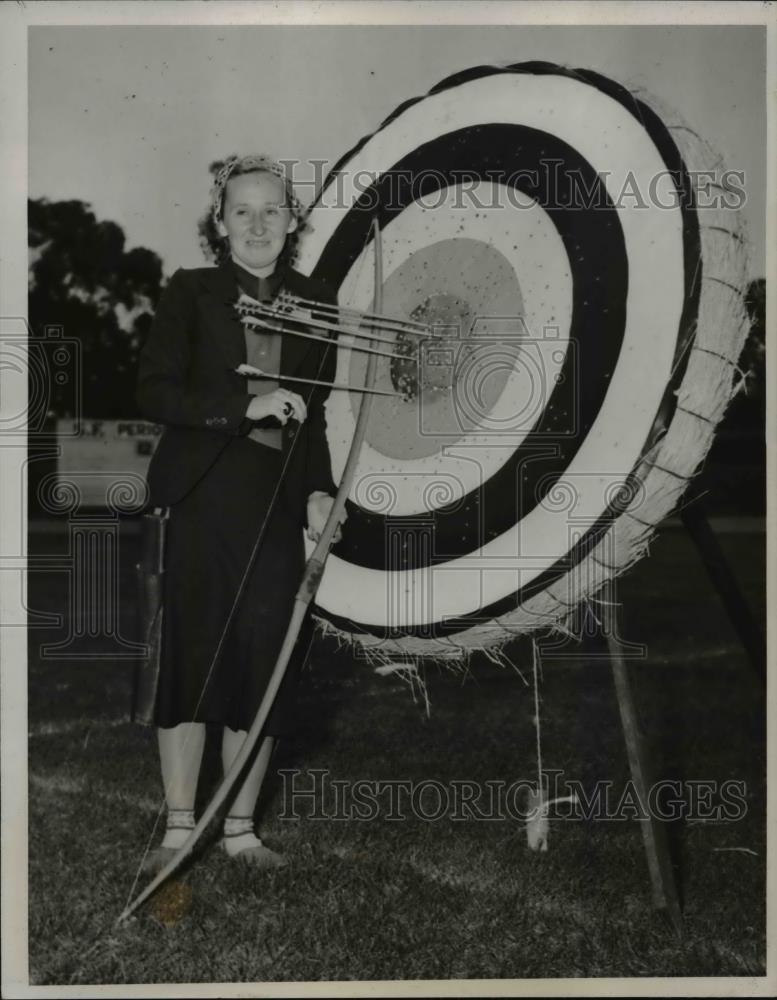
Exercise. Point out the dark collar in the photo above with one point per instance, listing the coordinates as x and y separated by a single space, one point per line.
263 289
221 281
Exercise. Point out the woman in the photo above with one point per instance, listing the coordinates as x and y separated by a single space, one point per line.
238 460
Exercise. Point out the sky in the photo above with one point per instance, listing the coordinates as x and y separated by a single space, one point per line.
128 118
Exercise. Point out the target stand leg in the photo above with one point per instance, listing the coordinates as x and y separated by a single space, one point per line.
662 878
697 525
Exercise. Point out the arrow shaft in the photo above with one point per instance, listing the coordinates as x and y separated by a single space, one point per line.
410 326
305 318
258 373
277 328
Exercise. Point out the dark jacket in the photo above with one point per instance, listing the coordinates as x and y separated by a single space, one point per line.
187 381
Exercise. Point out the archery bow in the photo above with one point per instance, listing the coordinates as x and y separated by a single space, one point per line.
311 579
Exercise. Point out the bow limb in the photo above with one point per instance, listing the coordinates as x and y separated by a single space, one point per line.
311 579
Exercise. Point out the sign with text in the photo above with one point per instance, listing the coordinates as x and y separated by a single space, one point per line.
103 455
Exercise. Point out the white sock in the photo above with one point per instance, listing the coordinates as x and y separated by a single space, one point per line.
239 834
180 823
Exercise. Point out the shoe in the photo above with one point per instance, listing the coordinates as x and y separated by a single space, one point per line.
155 860
258 857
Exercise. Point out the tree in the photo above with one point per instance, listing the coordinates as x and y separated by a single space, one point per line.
83 280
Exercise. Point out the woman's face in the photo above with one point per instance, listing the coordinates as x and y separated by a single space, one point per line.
256 219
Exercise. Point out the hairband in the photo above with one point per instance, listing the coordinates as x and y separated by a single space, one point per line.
247 164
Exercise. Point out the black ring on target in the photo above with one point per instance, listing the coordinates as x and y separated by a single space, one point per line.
328 269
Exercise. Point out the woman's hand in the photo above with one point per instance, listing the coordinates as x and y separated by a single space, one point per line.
280 403
319 505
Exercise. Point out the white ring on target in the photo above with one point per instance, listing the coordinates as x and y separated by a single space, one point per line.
613 141
530 226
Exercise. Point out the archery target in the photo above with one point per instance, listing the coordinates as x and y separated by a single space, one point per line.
515 225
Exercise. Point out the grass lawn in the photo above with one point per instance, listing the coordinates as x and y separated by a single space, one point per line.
415 899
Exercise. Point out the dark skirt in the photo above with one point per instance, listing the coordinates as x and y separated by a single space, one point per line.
210 537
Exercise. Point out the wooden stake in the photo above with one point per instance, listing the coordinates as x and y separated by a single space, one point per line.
662 875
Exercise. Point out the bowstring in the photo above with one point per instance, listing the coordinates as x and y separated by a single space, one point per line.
244 580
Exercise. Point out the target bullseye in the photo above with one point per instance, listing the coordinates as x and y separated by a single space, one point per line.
458 287
431 367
